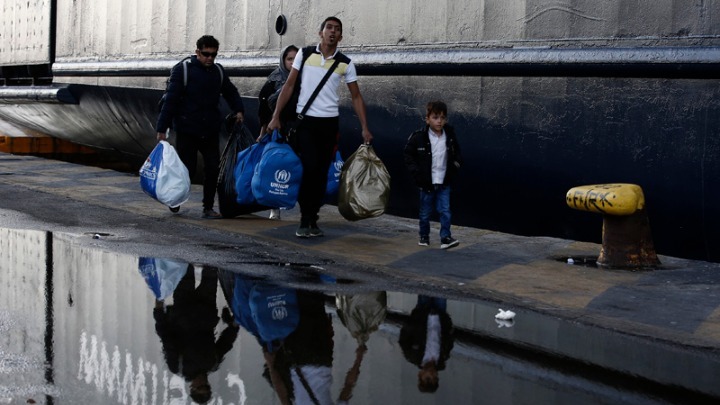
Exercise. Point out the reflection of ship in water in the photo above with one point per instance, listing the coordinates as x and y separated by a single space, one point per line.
544 96
93 333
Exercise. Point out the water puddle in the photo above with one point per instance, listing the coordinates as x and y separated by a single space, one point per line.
83 325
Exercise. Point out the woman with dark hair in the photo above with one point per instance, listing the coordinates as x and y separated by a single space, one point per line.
269 94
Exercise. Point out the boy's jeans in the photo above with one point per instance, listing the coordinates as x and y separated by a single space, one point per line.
439 198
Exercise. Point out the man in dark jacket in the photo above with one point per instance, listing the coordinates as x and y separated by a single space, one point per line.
432 155
187 330
191 108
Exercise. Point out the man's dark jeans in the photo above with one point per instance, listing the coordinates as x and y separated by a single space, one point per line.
314 144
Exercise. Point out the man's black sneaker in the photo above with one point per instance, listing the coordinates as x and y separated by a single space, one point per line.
303 230
210 213
314 230
174 209
424 241
448 242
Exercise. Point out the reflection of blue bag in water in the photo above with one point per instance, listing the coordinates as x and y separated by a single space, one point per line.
162 275
240 304
268 311
275 312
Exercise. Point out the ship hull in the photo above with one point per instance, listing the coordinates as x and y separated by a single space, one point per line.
543 98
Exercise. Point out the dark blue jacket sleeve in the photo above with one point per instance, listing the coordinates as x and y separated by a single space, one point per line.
231 95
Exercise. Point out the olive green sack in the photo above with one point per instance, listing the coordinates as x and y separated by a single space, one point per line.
364 185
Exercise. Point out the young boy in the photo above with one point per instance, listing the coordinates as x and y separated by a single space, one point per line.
432 155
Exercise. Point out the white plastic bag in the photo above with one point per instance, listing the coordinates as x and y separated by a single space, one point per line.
164 177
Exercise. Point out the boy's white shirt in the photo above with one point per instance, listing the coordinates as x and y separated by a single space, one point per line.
439 156
432 340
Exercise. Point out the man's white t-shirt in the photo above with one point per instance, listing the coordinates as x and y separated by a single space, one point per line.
316 66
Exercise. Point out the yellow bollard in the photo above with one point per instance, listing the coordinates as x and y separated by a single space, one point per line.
626 237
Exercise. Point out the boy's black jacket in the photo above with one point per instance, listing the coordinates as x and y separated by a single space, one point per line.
418 157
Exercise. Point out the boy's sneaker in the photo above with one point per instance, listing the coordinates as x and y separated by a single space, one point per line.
275 213
424 241
210 213
303 230
448 242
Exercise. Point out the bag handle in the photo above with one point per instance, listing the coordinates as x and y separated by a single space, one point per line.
317 89
276 136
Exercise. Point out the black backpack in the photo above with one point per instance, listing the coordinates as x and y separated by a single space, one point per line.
289 112
184 63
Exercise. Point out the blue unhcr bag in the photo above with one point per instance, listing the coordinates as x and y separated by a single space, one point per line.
240 139
277 178
247 159
241 304
333 180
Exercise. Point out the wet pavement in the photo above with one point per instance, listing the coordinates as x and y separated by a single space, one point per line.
580 334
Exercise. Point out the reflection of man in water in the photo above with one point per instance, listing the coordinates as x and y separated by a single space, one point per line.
187 331
300 370
427 339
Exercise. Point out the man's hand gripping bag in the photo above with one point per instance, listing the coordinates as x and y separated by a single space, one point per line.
364 185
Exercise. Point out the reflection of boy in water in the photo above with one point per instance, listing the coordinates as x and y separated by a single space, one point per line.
427 339
187 331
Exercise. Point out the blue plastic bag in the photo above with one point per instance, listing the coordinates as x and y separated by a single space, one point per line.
164 177
162 275
278 175
241 304
247 159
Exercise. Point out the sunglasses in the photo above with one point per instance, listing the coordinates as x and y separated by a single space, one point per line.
208 54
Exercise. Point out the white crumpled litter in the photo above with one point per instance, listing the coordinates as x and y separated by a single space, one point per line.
505 315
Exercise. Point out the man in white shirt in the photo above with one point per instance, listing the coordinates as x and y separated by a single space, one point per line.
317 134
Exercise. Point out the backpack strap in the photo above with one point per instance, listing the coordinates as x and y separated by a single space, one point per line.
185 74
318 88
185 62
307 51
221 70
